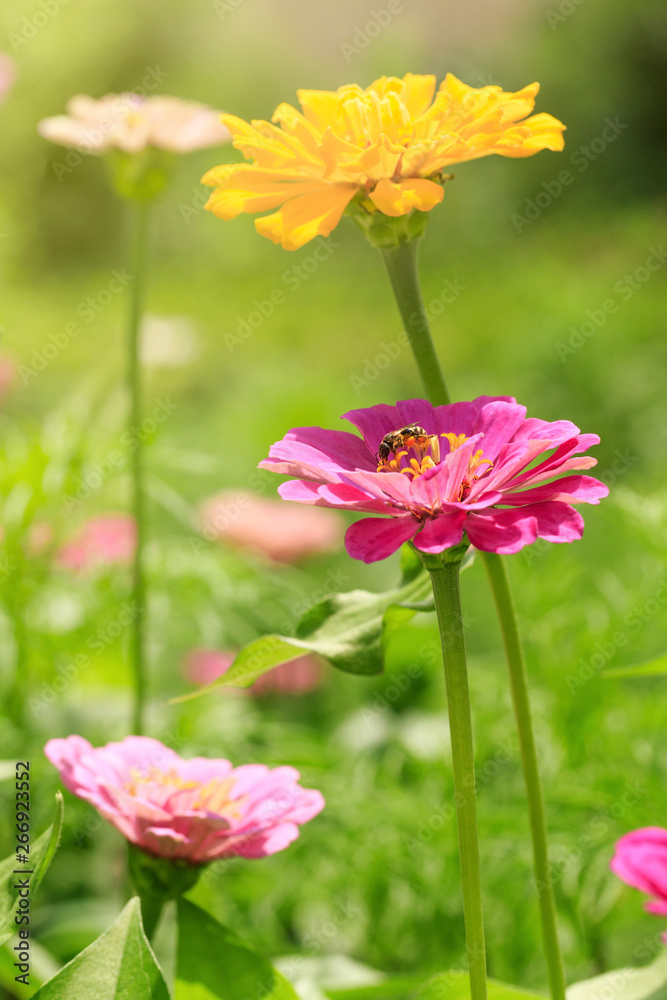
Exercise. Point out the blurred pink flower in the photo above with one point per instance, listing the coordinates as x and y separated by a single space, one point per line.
132 123
437 473
197 809
203 666
40 537
101 541
267 527
7 74
641 861
7 373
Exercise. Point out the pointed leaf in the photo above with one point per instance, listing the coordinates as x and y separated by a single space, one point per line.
456 986
213 964
41 855
120 965
655 667
648 983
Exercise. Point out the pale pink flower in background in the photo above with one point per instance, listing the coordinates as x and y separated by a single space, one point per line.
198 809
266 527
102 541
40 537
7 373
132 124
641 861
203 666
7 74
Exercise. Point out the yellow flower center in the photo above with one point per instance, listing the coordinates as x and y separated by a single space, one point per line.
423 453
214 797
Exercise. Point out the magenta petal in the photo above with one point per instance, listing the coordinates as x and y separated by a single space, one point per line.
314 453
498 421
440 533
374 422
507 531
571 489
377 538
344 495
301 491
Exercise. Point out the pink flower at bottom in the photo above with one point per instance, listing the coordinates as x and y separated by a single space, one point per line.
266 527
436 472
198 809
641 861
101 541
203 666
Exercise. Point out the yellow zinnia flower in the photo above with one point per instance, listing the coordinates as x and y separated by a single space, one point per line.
387 144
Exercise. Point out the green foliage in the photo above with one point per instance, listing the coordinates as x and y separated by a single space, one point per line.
648 983
655 667
456 986
41 856
118 966
214 964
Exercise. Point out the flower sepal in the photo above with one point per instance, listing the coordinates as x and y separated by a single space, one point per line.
386 230
163 878
141 176
452 556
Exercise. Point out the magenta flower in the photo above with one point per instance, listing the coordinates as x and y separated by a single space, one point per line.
641 861
196 809
102 541
480 468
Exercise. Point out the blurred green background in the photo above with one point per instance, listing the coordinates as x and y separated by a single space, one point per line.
532 261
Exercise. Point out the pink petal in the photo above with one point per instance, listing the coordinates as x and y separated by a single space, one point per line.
507 531
440 533
498 421
374 422
376 538
317 454
571 489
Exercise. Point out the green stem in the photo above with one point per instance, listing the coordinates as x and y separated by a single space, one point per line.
445 579
505 606
138 652
401 263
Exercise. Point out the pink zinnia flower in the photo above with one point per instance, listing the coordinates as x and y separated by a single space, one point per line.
7 74
266 527
132 123
196 809
641 861
101 541
463 468
203 666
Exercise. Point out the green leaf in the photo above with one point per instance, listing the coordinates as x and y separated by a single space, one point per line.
41 855
118 966
213 964
655 667
648 983
456 986
391 988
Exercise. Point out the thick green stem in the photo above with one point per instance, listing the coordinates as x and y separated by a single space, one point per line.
505 606
401 263
445 581
138 652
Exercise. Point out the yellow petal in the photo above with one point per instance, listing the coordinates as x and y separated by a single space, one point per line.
399 199
250 189
307 216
